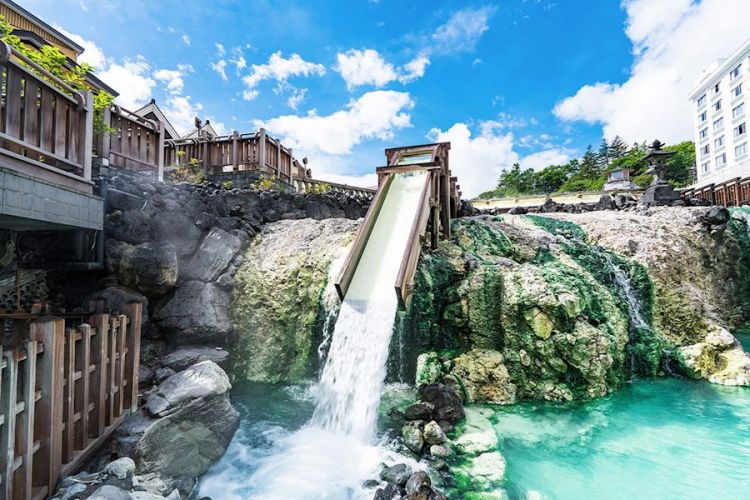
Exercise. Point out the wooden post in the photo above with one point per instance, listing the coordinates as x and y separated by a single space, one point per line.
133 311
120 374
262 149
160 154
291 167
278 158
8 430
103 139
87 132
27 419
82 395
50 332
98 382
70 387
114 326
235 151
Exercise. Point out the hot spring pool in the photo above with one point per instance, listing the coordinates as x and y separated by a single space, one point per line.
660 439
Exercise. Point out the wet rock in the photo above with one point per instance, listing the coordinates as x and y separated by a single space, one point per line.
196 312
397 474
419 486
108 492
186 356
121 468
440 451
419 411
433 434
213 256
150 268
484 377
719 358
389 492
412 437
478 436
445 399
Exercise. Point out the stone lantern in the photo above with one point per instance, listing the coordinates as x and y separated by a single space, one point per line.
659 192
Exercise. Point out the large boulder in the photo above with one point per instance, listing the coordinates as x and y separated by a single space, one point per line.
189 422
719 359
150 268
196 313
116 298
483 377
213 256
179 230
186 356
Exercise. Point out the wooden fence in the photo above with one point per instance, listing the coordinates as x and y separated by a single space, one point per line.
731 193
317 186
133 142
64 387
236 153
45 125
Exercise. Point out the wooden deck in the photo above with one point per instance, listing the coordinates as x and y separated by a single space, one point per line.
65 385
732 193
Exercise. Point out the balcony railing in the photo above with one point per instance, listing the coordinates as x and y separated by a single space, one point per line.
45 125
236 153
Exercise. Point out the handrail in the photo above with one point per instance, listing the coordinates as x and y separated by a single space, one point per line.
363 234
405 276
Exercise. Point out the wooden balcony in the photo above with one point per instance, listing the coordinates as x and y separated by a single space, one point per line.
256 152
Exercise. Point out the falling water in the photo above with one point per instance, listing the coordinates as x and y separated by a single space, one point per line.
334 452
625 286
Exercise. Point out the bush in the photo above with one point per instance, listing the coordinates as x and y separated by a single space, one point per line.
190 172
227 184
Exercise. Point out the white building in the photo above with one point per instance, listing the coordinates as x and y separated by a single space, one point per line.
721 116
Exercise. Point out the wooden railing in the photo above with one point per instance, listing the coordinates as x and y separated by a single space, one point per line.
319 186
45 125
236 153
132 143
65 386
731 193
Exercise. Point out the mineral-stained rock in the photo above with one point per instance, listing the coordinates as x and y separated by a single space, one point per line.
719 358
440 451
197 312
213 256
389 492
478 435
433 434
188 423
412 437
419 486
483 471
484 377
445 399
148 267
419 411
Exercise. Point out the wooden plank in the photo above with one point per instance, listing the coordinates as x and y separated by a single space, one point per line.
70 388
122 351
98 383
133 310
27 419
114 325
13 104
61 128
31 112
8 431
47 121
83 356
74 137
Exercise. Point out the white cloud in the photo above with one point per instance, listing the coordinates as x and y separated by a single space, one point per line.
172 78
220 49
132 79
181 112
375 115
280 69
220 67
92 54
185 39
364 67
673 41
477 160
414 69
463 30
294 100
542 159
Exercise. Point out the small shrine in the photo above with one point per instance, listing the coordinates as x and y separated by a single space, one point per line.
660 192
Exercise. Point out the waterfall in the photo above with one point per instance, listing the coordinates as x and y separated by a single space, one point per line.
333 453
625 286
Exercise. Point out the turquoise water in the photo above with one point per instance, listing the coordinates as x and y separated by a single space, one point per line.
656 439
744 340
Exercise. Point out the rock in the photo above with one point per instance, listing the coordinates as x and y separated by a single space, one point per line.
188 424
433 434
484 377
108 492
715 216
478 436
213 256
145 375
162 373
412 438
483 471
445 399
151 483
518 211
389 492
397 474
121 468
148 267
180 231
131 226
186 356
440 451
145 495
419 486
196 312
606 203
120 200
419 411
429 368
116 298
719 358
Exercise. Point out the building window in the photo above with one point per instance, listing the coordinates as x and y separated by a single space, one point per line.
703 133
740 150
705 150
736 72
705 166
717 88
737 91
719 142
717 105
740 130
702 101
738 111
721 160
719 124
703 117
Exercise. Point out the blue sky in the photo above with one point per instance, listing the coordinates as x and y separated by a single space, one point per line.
533 81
